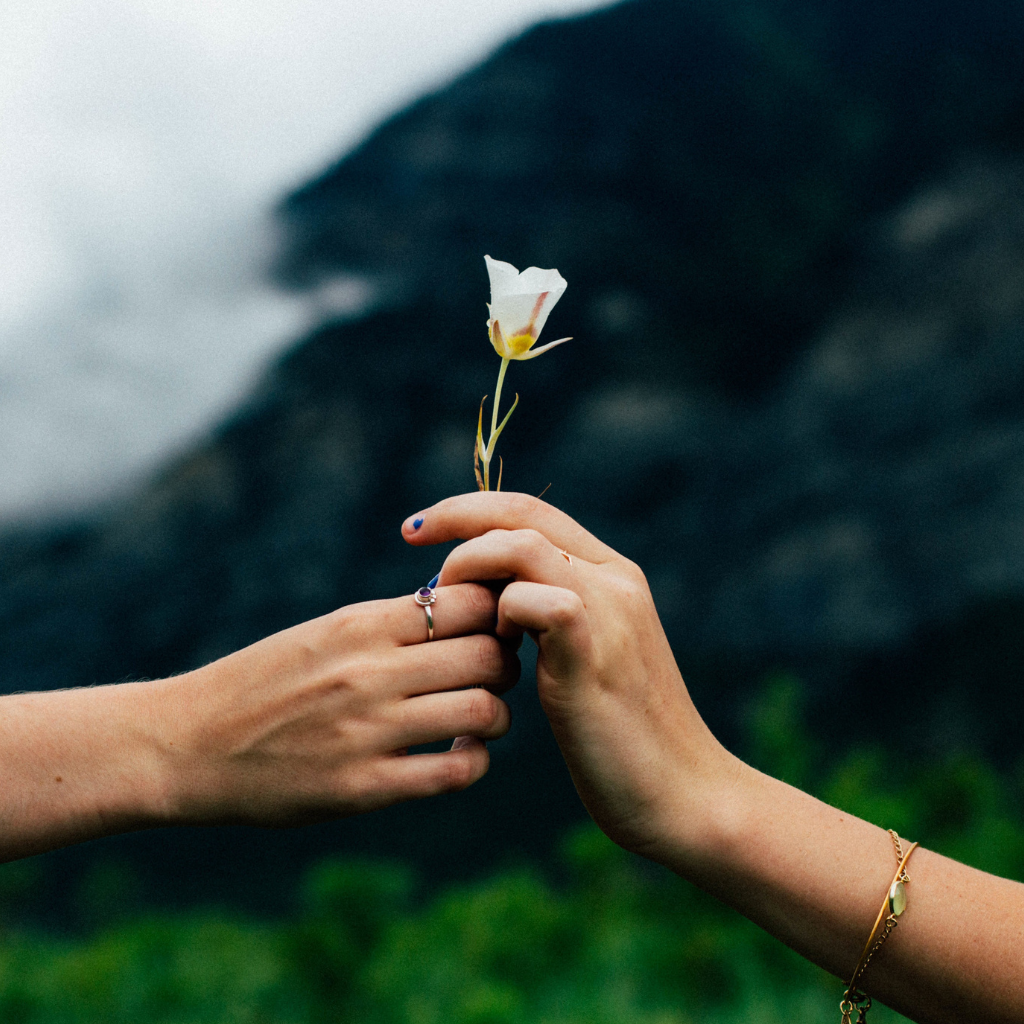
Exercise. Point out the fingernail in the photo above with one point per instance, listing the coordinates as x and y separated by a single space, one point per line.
417 523
433 582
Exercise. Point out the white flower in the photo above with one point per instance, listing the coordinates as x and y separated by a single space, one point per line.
519 308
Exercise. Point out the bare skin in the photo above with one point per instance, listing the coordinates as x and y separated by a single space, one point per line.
658 782
309 724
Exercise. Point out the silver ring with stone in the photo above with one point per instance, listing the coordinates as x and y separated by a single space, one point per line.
425 597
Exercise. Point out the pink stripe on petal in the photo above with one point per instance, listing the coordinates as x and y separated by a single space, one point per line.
538 306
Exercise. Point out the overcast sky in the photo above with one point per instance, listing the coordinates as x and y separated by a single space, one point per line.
141 147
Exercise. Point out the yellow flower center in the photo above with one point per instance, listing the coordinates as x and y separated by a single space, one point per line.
521 343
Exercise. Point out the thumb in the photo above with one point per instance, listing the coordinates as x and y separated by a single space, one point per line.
556 617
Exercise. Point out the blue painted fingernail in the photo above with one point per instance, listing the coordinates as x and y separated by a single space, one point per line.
417 523
433 582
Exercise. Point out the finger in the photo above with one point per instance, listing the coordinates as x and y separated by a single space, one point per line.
443 716
540 609
555 616
516 554
470 515
457 611
454 665
422 775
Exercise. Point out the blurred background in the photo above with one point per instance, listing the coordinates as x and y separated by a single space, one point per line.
242 337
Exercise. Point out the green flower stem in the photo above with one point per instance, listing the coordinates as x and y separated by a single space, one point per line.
497 400
488 452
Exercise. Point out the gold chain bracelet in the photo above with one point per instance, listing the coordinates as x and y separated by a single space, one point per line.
894 904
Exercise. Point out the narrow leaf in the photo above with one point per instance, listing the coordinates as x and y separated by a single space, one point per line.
501 427
478 448
476 467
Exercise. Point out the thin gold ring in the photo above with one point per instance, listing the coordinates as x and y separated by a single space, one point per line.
565 554
425 597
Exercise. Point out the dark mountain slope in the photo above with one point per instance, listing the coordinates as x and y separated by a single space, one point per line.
712 159
794 394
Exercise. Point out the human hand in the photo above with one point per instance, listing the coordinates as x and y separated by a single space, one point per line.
642 759
314 722
655 779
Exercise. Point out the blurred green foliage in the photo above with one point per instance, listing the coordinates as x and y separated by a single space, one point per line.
613 939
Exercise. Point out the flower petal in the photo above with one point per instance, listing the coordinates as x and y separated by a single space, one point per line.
515 311
535 280
498 339
551 296
522 301
504 277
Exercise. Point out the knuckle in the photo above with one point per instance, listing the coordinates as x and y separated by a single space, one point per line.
352 789
356 623
360 679
480 602
530 542
634 573
566 608
344 618
489 657
502 720
458 772
336 629
521 506
482 710
631 583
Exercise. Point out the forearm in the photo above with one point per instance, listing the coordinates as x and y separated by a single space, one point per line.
658 783
815 877
304 726
79 764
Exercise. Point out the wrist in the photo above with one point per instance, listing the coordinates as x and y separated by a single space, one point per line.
707 814
160 750
133 773
181 790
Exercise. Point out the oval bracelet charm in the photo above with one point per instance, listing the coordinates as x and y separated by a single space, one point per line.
897 899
